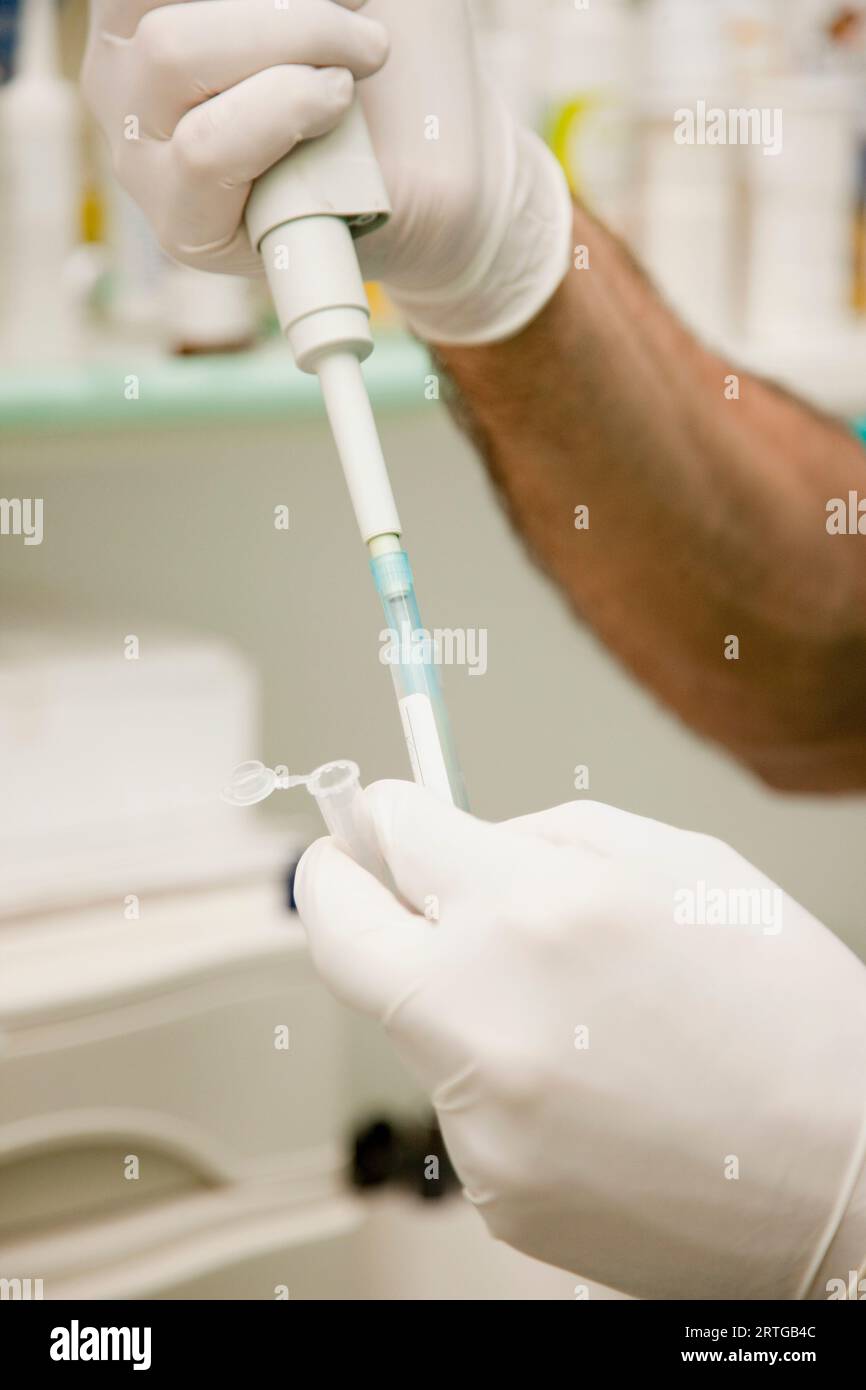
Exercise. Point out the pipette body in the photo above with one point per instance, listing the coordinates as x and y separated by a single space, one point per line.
303 215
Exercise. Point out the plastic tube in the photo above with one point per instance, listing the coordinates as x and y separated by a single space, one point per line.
419 695
341 800
336 787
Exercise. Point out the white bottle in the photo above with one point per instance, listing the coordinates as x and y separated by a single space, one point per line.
40 152
590 71
801 214
203 312
688 195
510 43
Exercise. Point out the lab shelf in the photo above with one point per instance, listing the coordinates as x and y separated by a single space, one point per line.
829 369
264 385
259 385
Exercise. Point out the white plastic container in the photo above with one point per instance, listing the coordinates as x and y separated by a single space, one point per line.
204 312
801 208
136 264
687 232
112 767
511 47
589 76
41 186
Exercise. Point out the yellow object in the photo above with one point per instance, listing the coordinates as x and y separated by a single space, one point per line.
565 130
92 215
382 311
859 286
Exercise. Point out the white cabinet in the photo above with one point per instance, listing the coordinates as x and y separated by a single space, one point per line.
169 1093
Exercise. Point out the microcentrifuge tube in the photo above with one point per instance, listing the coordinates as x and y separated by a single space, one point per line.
336 787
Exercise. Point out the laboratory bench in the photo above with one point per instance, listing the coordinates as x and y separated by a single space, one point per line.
135 390
119 385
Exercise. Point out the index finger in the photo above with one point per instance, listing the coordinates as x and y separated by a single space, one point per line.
121 17
367 946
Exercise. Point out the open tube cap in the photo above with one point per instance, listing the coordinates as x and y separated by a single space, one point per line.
336 787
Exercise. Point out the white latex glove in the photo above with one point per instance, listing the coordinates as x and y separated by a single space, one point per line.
216 91
711 1049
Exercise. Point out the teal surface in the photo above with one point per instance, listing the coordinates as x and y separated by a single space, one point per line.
252 386
161 391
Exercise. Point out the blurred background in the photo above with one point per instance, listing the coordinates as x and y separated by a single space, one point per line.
183 1110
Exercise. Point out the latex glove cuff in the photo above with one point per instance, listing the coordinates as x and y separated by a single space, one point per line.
519 264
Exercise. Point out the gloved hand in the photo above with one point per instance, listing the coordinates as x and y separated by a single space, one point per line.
673 1109
215 92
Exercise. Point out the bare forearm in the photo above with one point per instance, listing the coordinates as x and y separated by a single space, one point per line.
706 516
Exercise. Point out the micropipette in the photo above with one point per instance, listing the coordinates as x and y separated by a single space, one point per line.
337 789
303 216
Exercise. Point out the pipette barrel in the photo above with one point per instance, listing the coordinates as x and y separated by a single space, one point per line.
412 657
